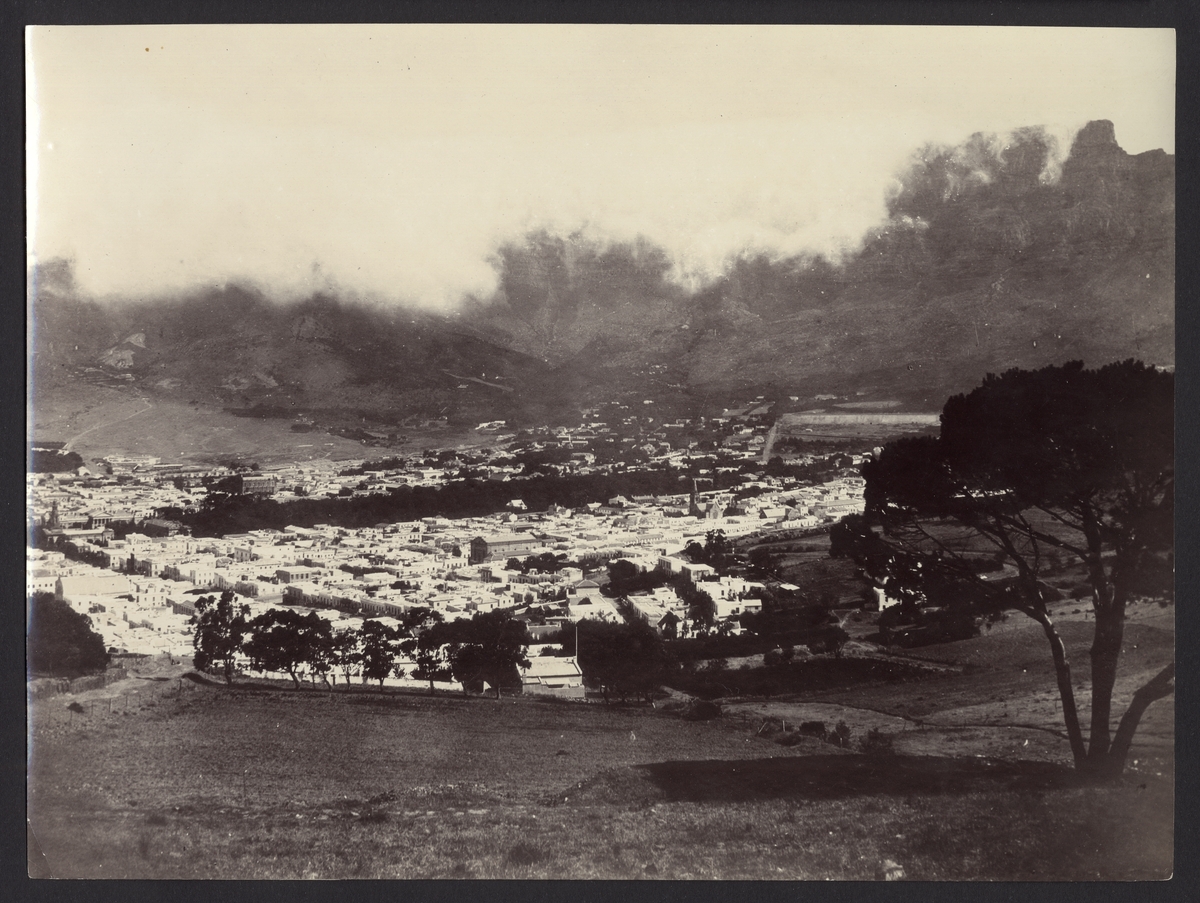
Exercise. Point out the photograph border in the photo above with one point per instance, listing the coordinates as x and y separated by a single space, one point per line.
1124 13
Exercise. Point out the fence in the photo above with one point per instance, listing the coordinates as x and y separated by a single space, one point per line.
72 715
41 687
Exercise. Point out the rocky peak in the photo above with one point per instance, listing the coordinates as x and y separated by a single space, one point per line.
1097 133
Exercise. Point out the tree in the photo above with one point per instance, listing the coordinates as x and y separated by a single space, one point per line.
219 631
701 607
831 640
766 562
61 641
717 550
547 562
425 648
621 570
489 647
380 645
622 659
320 639
415 620
430 656
282 639
431 659
346 653
1062 459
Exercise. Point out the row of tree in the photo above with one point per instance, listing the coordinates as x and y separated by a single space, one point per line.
621 660
488 647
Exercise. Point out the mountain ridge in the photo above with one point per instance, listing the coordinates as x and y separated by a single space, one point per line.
988 259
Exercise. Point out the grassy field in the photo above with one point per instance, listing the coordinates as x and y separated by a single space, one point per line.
187 780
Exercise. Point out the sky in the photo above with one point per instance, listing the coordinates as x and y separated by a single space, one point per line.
390 162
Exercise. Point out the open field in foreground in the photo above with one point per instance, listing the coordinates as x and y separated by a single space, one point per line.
186 780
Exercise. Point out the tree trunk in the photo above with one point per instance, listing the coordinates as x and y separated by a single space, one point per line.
1106 651
1161 685
1062 670
295 679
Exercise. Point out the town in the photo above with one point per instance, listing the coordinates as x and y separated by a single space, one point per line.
110 538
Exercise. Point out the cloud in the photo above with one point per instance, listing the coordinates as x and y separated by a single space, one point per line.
398 160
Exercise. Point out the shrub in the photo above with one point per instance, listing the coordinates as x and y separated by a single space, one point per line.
526 854
878 743
841 734
702 710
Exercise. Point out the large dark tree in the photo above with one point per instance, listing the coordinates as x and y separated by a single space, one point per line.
621 659
61 641
1063 462
282 639
219 630
489 647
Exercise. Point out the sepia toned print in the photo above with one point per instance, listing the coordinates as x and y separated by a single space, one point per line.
601 452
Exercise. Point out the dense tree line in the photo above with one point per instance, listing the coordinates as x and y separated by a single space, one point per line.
40 539
43 460
227 511
625 579
224 513
717 551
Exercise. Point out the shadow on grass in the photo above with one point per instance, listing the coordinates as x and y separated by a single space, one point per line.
835 777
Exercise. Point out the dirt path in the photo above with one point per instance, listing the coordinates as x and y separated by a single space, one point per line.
70 442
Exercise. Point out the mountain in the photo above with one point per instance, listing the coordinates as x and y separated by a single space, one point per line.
994 253
233 347
992 256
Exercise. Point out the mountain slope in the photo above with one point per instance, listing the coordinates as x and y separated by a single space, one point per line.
994 254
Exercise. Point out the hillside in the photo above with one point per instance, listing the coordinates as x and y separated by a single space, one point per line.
993 255
169 778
